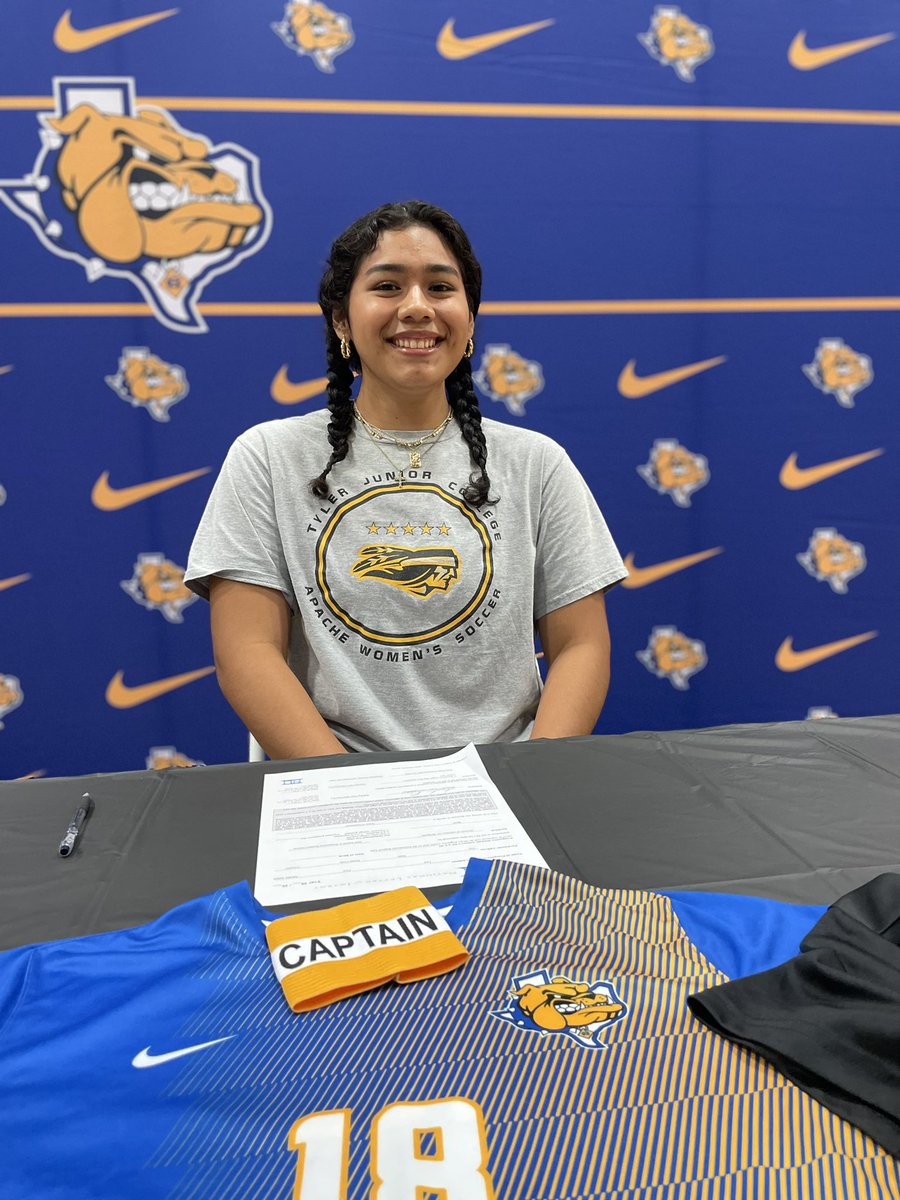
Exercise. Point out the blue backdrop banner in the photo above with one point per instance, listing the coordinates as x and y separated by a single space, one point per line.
687 222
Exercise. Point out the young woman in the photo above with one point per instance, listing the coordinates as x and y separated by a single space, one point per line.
385 595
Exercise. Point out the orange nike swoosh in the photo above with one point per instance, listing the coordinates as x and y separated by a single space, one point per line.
109 499
72 40
453 47
640 576
805 59
793 477
633 387
789 659
12 581
33 774
119 695
5 370
285 392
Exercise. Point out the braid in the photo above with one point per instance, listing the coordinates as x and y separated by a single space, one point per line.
340 404
464 403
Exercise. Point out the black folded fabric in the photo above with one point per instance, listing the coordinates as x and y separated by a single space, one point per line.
829 1019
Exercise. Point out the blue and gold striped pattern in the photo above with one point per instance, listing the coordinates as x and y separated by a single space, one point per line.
666 1110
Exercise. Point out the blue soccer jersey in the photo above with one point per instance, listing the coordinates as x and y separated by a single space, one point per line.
560 1062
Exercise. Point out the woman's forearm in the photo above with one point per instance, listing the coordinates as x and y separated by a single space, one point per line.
575 640
574 692
273 704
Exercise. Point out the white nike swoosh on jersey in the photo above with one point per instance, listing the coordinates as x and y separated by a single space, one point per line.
145 1059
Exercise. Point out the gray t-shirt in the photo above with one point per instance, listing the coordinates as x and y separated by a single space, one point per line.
413 614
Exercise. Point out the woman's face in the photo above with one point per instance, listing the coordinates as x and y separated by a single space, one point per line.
407 313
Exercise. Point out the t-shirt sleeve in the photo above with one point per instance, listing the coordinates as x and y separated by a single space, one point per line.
576 554
238 536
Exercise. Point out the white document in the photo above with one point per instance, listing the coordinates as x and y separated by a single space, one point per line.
348 831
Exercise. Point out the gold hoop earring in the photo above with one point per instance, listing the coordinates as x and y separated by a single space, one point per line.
345 348
470 348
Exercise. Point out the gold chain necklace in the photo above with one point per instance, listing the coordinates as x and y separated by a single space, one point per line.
415 456
412 447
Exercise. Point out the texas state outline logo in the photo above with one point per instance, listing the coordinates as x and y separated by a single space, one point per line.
313 30
676 40
126 191
157 583
838 370
555 1004
508 378
144 380
671 654
11 696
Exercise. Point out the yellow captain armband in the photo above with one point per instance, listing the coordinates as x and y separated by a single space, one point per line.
332 953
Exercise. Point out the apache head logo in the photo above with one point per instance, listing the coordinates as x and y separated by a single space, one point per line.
670 655
839 371
315 31
672 470
159 584
145 381
418 572
833 559
128 192
676 41
11 695
159 758
508 378
557 1004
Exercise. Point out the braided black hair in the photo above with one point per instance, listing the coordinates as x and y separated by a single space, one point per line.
347 252
464 403
340 405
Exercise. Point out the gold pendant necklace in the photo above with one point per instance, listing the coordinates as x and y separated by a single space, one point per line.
412 447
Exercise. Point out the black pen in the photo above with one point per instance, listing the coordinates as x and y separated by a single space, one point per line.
67 845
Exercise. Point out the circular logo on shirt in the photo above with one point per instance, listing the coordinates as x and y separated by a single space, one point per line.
404 565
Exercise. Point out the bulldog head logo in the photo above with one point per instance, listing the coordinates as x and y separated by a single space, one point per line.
544 1003
676 41
670 655
315 31
673 470
160 758
833 559
159 584
508 378
11 695
417 572
143 380
128 192
839 371
821 712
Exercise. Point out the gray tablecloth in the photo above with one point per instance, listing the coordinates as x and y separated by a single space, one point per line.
802 811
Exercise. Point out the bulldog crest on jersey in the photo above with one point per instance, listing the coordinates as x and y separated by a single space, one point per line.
555 1004
127 192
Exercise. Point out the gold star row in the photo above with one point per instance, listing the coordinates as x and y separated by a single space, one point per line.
409 529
